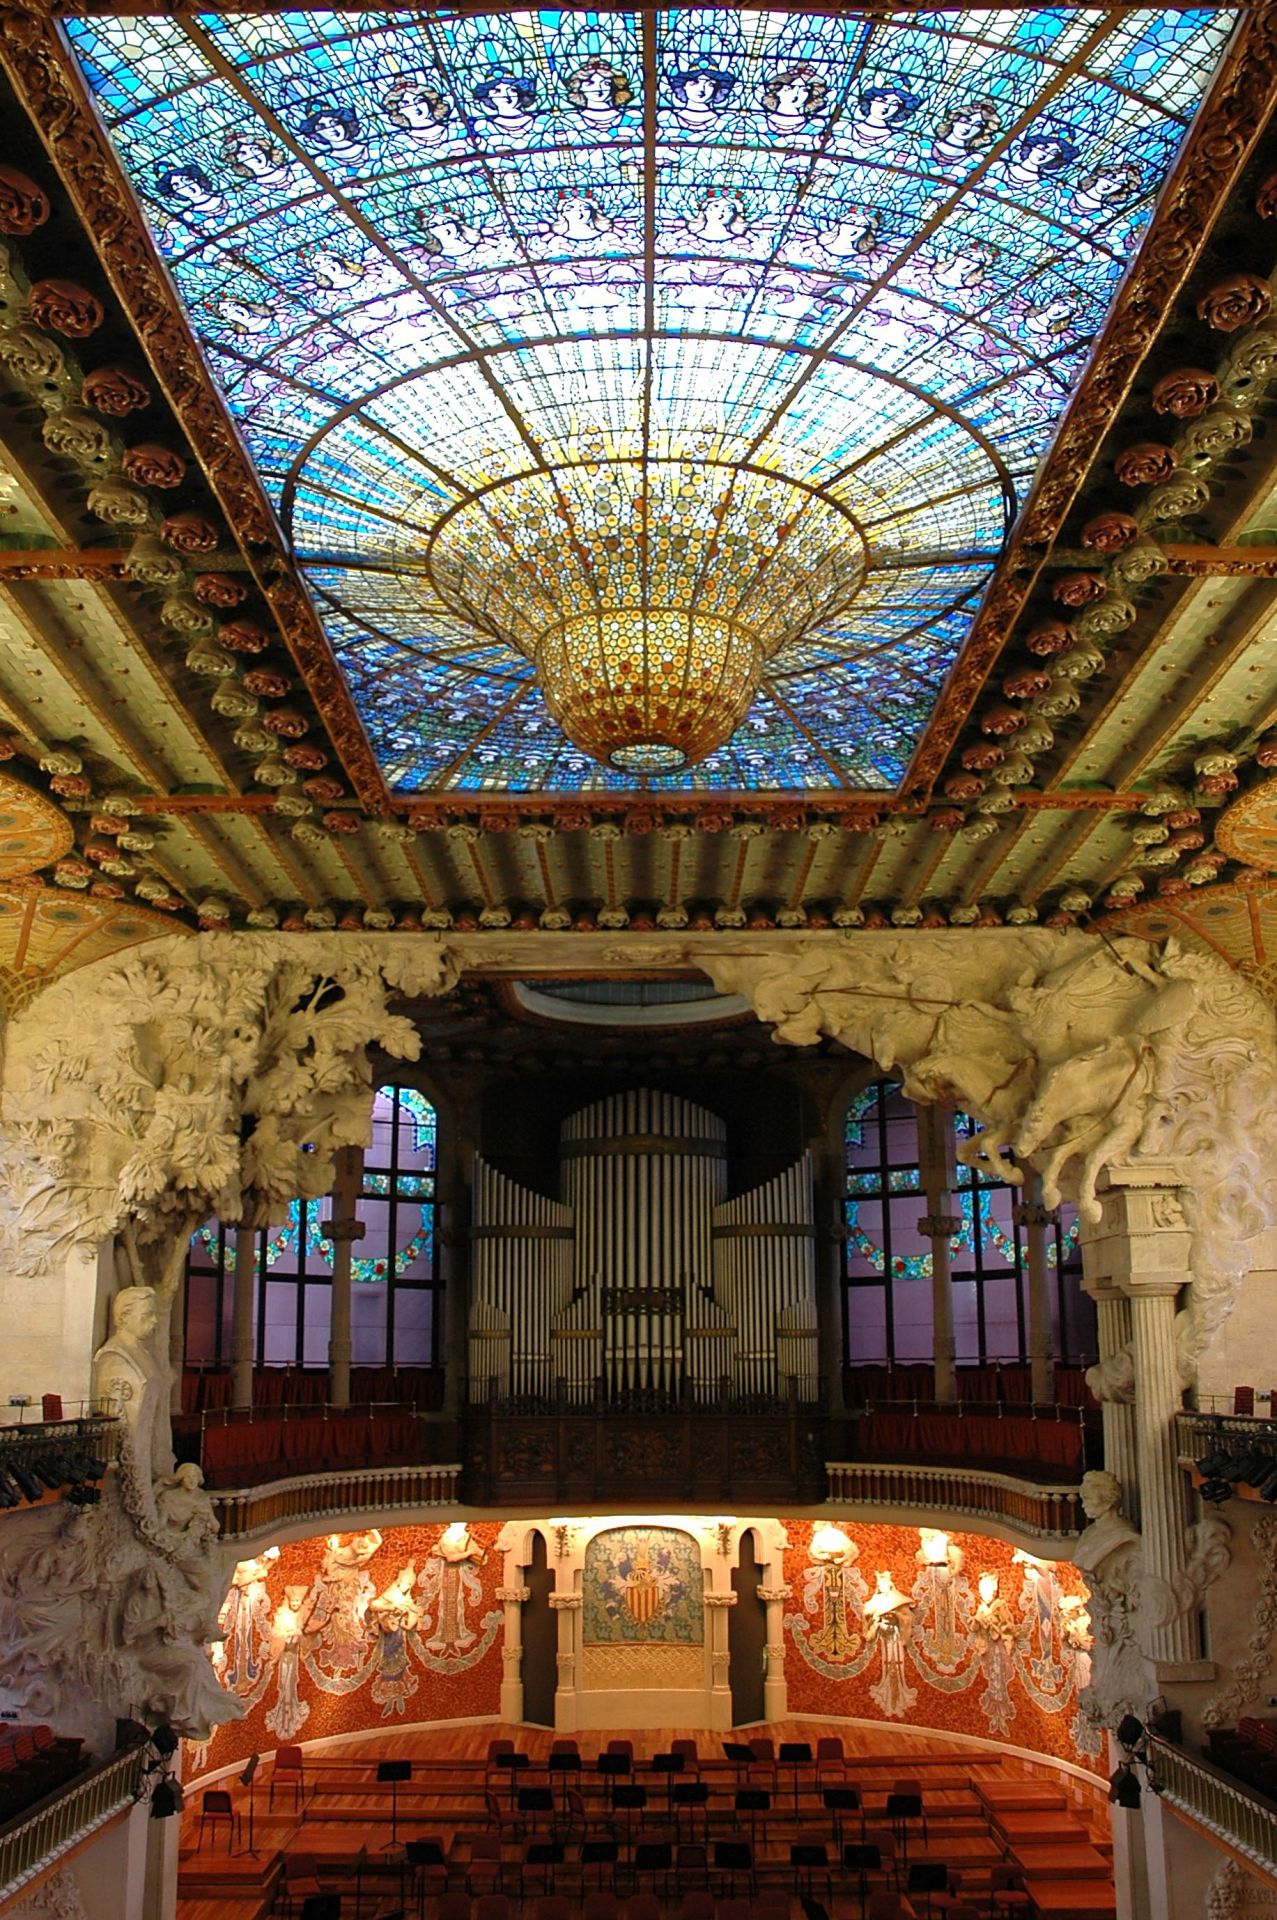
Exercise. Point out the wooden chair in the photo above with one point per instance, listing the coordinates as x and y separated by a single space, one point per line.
1006 1892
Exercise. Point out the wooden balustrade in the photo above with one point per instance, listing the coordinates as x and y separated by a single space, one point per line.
320 1496
36 1841
1051 1513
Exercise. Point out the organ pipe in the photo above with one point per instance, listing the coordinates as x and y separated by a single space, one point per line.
644 1280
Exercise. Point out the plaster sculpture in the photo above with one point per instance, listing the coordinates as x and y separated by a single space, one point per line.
1075 1055
105 1611
57 1898
1127 1600
1234 1893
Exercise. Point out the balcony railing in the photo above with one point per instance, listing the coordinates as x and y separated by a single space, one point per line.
49 1830
1048 1512
318 1496
1222 1805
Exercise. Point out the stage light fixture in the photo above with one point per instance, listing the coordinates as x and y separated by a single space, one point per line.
1124 1788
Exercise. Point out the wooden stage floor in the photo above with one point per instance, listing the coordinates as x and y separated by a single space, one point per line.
982 1807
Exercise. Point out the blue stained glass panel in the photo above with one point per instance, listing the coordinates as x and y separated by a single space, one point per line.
444 263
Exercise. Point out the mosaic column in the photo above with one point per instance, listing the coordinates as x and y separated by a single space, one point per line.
935 1159
343 1229
775 1686
568 1607
720 1663
1034 1219
513 1600
242 1318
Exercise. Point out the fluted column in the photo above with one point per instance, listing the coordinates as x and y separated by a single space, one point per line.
935 1156
720 1660
242 1318
1034 1220
568 1608
775 1686
343 1229
513 1600
1141 1247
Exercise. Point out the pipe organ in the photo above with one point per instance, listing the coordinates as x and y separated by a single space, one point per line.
644 1280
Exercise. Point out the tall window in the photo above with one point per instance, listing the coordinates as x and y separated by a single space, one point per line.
888 1273
395 1317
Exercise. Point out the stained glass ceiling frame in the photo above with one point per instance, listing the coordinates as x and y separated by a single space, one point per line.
964 680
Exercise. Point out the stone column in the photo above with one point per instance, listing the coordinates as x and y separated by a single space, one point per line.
242 1318
513 1600
775 1686
343 1229
1034 1219
568 1607
1113 1314
720 1662
1141 1247
831 1240
935 1157
177 1340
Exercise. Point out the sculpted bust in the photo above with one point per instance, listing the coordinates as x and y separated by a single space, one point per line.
1109 1530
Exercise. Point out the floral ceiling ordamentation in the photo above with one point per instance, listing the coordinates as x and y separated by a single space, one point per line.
523 314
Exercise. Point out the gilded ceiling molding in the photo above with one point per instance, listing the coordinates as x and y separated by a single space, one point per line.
1224 130
44 75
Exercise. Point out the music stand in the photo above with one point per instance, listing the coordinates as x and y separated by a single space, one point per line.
391 1772
863 1860
669 1764
513 1764
741 1757
795 1754
901 1809
928 1876
840 1800
246 1779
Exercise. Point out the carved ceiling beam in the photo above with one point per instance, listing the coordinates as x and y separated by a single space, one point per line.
46 78
1210 162
1188 557
63 563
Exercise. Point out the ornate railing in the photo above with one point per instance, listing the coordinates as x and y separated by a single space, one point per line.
1197 1433
1050 1512
1224 1806
42 1835
316 1496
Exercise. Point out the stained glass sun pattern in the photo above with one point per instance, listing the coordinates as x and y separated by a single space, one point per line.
606 367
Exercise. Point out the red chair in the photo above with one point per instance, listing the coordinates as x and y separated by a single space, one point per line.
453 1906
216 1806
691 1757
51 1406
492 1906
484 1868
601 1906
831 1761
301 1878
289 1770
1243 1402
1007 1894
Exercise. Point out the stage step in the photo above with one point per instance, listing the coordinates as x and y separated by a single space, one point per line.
1062 1863
1020 1796
1041 1829
1071 1899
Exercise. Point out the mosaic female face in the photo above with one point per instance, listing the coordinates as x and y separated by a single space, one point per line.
506 103
418 109
791 99
600 94
968 130
700 94
255 159
334 133
189 189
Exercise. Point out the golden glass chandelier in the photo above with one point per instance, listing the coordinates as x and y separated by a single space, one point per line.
648 594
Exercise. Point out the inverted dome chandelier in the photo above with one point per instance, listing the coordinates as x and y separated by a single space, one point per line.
649 595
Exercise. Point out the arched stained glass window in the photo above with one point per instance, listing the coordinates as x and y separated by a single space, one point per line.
887 1294
394 1293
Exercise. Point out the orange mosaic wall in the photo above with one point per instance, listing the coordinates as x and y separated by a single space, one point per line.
958 1632
359 1630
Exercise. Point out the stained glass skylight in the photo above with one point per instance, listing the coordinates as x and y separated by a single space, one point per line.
773 311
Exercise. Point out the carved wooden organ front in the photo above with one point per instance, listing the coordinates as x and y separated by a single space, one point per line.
644 1281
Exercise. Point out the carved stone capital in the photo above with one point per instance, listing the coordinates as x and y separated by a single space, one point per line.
566 1602
772 1595
721 1599
939 1226
514 1596
1027 1213
343 1230
566 1664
